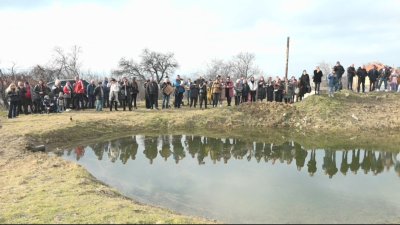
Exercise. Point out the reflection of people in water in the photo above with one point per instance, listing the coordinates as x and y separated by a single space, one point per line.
259 151
178 152
150 148
79 151
128 149
165 151
193 145
226 151
203 151
379 167
366 162
300 156
312 164
344 166
396 159
329 165
355 161
99 149
113 150
239 150
216 149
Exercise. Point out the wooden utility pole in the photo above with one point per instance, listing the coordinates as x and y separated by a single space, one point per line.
287 66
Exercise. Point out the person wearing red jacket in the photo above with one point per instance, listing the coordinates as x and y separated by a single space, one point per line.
68 93
79 90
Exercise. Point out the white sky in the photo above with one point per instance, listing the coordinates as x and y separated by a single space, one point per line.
198 31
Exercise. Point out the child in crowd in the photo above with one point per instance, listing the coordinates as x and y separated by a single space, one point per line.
60 103
331 83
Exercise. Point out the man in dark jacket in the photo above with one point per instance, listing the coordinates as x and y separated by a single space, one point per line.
126 90
152 90
90 94
373 78
194 94
106 91
317 78
362 74
202 93
339 71
135 92
351 73
384 75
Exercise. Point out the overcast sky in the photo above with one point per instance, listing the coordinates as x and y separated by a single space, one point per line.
198 31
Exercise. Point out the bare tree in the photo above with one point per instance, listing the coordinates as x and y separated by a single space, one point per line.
67 65
130 69
158 65
153 64
244 65
219 67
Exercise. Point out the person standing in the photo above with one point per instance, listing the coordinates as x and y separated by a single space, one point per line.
317 79
203 94
393 81
304 85
187 89
194 94
21 99
373 75
166 88
28 98
384 75
261 89
106 91
339 71
152 89
135 92
216 89
39 93
179 91
229 90
331 83
126 91
99 94
361 74
270 90
246 91
13 98
238 92
351 73
79 91
253 89
90 94
68 94
114 90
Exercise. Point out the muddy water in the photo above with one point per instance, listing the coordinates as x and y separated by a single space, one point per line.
238 181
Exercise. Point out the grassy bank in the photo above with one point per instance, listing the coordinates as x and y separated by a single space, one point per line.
39 188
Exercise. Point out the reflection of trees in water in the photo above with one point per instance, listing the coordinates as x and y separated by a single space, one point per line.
123 149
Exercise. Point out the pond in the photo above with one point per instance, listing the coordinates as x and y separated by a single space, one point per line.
236 181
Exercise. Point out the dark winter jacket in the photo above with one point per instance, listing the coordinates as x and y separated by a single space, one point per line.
90 90
362 73
194 91
152 88
99 93
126 90
339 70
317 78
351 72
203 89
13 96
373 75
246 90
262 92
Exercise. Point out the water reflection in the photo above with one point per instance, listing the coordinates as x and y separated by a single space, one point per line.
224 150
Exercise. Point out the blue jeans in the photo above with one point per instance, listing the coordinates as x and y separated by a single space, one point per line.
12 112
99 105
331 90
165 103
384 80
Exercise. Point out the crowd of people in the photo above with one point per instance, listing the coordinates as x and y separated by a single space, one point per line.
200 93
